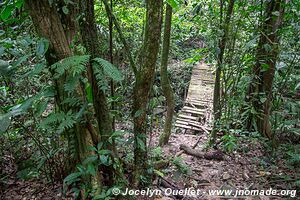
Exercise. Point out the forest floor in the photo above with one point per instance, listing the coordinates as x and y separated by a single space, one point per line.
246 168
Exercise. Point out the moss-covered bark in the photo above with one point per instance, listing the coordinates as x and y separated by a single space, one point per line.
92 43
143 85
165 82
264 69
217 88
49 25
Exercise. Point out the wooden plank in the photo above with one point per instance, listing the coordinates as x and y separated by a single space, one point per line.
188 117
196 125
194 109
198 100
189 123
203 106
196 105
188 120
194 112
204 103
187 127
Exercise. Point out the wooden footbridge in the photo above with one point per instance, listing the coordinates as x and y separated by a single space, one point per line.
196 113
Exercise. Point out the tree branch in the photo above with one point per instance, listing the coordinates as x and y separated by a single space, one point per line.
122 38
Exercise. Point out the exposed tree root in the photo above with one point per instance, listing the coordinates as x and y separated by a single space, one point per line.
213 155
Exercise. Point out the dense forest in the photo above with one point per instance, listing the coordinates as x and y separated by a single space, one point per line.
149 99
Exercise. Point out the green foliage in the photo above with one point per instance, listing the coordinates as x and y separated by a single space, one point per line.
9 7
173 3
5 120
74 65
108 69
104 71
89 170
42 47
229 142
181 166
63 121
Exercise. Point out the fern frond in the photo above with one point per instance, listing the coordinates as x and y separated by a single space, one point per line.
67 123
75 64
51 120
59 121
109 69
100 77
71 83
72 101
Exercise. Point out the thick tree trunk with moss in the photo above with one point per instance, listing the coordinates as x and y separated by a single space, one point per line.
48 24
222 45
264 69
165 82
143 86
93 45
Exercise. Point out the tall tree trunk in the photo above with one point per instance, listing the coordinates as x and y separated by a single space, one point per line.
121 36
112 84
165 82
91 42
49 25
143 85
222 45
264 69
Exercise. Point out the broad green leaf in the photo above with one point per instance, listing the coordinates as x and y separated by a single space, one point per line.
173 3
72 178
91 169
90 159
89 93
6 12
297 86
5 120
267 47
104 152
276 13
159 173
141 144
20 60
263 99
19 4
65 10
265 66
2 50
104 160
38 68
23 107
5 68
42 47
138 113
41 107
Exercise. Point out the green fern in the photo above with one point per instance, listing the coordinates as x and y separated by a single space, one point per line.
100 77
72 101
74 64
67 123
108 69
61 120
71 83
52 119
